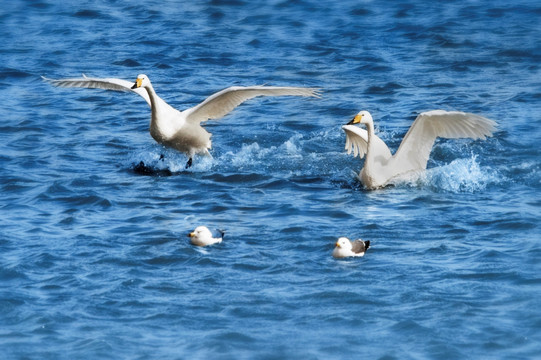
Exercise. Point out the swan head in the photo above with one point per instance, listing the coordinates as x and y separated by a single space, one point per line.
343 243
141 81
363 117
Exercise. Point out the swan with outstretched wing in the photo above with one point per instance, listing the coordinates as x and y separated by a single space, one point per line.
182 130
380 166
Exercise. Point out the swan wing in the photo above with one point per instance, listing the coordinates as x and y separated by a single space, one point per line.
357 142
416 146
223 102
97 83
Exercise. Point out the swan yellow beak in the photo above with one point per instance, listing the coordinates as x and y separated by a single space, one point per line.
137 84
357 119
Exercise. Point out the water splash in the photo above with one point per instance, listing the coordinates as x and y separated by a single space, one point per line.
289 154
158 161
459 176
302 155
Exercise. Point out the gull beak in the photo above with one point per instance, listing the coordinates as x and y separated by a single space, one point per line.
337 244
191 234
357 119
137 84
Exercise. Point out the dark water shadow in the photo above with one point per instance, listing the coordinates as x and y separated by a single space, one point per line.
148 170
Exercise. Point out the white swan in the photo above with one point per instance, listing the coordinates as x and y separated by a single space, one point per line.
181 130
380 167
346 248
202 236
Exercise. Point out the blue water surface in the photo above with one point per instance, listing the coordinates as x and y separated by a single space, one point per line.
94 258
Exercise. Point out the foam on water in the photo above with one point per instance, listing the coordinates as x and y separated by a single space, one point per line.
162 161
293 158
459 176
254 156
463 175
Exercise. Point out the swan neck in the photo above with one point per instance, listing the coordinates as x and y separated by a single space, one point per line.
369 174
370 127
157 105
369 160
153 96
156 108
370 131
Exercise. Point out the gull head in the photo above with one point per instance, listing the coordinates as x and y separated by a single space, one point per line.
343 243
202 236
200 232
141 81
363 117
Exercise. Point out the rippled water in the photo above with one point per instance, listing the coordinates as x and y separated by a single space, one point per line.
95 262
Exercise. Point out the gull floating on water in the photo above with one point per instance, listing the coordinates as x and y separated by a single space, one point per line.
346 248
202 236
380 166
182 130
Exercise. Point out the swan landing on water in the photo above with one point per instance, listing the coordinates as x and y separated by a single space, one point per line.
182 130
380 167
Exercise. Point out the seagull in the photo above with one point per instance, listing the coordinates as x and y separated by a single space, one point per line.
202 236
346 248
182 130
380 167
